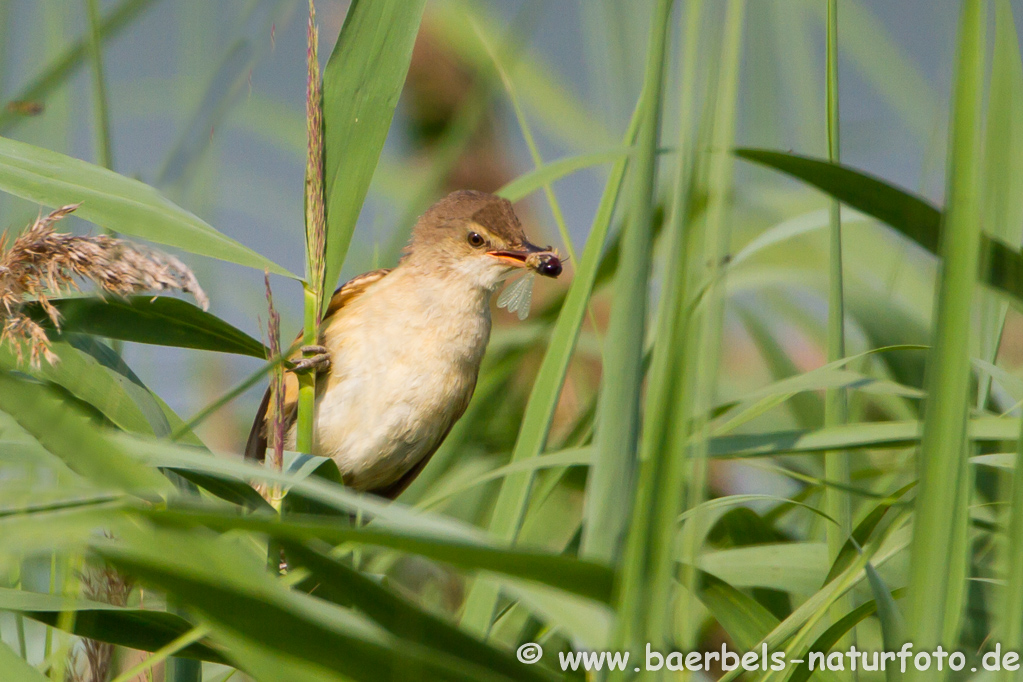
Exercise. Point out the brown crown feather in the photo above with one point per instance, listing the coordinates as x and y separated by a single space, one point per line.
493 213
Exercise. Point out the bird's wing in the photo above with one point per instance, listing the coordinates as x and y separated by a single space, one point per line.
255 446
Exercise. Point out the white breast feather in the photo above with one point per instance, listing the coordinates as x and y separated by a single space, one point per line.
404 368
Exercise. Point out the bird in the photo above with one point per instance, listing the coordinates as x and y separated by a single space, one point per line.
399 349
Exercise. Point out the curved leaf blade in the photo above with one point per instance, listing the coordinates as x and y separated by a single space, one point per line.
72 437
361 84
227 587
142 629
115 202
584 578
909 214
342 585
162 321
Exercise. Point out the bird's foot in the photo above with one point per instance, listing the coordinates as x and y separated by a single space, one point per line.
318 361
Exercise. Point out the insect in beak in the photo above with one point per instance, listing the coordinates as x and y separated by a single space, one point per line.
544 262
518 295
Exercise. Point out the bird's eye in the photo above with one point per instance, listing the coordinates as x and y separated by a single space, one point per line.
475 239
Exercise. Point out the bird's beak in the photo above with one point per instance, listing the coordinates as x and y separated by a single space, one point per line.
544 262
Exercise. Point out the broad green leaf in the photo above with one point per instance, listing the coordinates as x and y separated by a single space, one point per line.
833 634
300 466
850 436
831 375
69 435
799 625
265 664
563 458
64 525
361 84
807 408
864 530
393 515
16 668
584 578
394 525
143 629
708 513
941 521
790 229
92 383
157 413
910 215
893 629
822 378
336 582
159 320
741 616
115 202
764 444
587 621
227 586
791 567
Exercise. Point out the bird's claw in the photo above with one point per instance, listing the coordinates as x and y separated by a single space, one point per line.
318 361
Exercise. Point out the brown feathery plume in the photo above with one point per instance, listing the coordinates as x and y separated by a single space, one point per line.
275 410
106 585
41 263
276 380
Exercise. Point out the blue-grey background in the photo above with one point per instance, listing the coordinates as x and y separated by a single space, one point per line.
207 103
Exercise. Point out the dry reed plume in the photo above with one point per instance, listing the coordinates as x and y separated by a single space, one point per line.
277 417
43 263
316 218
106 585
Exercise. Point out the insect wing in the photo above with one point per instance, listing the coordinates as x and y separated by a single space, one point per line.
517 297
506 295
522 297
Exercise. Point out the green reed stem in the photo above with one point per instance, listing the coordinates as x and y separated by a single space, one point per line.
836 464
315 234
101 110
163 653
307 380
1011 627
703 345
938 552
649 570
610 487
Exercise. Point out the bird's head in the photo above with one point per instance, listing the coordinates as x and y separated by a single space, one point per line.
477 236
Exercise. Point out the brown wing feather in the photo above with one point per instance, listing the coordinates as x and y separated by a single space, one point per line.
255 446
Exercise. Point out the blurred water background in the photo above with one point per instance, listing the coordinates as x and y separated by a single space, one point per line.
207 104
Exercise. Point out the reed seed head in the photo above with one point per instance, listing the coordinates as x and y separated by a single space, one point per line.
42 263
276 380
315 202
